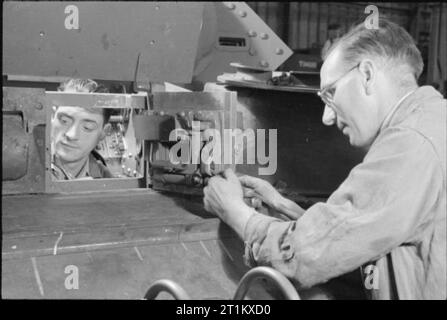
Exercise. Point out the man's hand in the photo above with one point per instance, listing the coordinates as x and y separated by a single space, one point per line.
223 196
259 188
256 187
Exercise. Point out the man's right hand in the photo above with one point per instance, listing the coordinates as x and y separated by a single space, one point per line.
259 188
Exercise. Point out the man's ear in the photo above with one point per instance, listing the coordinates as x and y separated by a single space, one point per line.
107 129
368 70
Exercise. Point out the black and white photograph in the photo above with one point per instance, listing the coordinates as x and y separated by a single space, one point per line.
224 151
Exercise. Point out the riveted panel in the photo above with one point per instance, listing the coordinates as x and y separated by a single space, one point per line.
44 39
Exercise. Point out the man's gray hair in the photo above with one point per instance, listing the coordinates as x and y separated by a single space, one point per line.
390 43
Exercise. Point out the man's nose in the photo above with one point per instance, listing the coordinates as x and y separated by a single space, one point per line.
72 133
329 116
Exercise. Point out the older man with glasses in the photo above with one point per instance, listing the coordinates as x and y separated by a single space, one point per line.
390 212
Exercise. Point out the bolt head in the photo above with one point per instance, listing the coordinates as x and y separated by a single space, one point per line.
279 51
252 33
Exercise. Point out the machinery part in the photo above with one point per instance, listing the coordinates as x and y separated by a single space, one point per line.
168 167
285 79
232 32
157 31
132 148
185 119
201 117
287 289
197 179
24 112
180 179
15 147
166 285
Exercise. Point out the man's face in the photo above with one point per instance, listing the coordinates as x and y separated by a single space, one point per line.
75 132
352 109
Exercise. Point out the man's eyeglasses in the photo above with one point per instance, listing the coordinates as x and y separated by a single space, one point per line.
327 94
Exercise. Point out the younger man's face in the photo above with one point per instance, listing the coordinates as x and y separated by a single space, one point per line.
75 132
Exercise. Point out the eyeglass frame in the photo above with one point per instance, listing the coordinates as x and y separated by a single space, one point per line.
323 92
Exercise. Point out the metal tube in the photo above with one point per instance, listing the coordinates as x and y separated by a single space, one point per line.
166 285
31 78
287 289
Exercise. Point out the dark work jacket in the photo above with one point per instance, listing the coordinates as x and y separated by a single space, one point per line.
97 168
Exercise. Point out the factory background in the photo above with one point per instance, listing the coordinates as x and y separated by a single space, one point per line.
303 26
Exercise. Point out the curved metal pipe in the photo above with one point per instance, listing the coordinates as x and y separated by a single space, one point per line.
166 285
286 287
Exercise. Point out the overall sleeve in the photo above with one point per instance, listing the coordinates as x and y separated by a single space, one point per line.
384 202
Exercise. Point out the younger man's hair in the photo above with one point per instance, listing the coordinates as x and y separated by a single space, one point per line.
86 85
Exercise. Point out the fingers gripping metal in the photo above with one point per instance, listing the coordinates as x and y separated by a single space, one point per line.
281 282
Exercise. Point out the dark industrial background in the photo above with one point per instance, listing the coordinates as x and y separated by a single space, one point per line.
304 27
